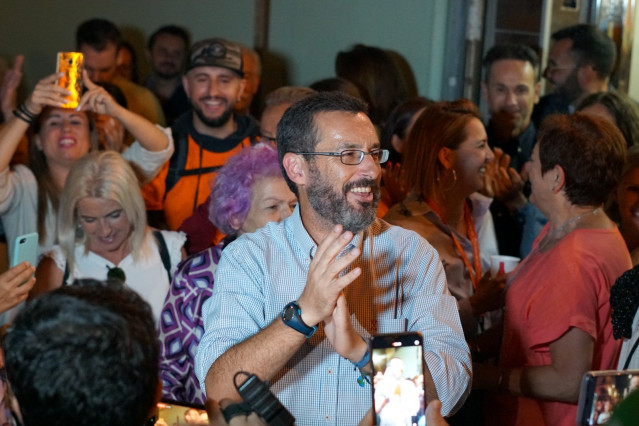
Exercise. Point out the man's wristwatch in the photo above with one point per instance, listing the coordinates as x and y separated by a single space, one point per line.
292 317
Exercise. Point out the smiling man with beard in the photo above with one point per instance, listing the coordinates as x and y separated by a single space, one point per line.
295 302
205 136
581 60
511 90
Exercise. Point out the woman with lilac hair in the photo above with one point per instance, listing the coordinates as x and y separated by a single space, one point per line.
248 192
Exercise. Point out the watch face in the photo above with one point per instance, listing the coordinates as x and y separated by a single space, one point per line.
288 312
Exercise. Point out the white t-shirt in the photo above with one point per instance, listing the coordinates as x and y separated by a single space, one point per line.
148 277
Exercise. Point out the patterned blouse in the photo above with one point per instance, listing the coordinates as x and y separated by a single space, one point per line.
181 325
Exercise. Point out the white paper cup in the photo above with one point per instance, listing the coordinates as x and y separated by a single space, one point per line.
509 262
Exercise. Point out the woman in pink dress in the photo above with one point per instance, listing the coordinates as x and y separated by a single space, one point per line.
557 315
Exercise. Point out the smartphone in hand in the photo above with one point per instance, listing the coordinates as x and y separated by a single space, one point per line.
25 248
398 378
601 391
70 64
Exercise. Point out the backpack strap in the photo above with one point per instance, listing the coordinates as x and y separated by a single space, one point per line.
66 273
164 252
178 159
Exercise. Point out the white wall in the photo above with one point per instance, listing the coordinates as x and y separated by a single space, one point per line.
306 34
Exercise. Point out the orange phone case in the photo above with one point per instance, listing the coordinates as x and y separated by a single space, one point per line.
70 64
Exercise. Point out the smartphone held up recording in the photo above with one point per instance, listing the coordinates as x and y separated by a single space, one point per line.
70 65
398 378
601 392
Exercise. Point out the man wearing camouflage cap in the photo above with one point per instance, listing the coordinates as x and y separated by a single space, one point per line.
205 136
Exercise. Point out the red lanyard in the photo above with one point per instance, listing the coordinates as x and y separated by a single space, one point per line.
472 236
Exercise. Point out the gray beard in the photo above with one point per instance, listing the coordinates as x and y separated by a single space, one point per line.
335 208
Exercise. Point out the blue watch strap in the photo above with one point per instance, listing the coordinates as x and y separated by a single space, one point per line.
365 360
292 317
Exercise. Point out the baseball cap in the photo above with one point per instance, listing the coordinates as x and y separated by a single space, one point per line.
216 52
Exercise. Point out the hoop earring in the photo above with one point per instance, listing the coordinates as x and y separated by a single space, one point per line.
454 181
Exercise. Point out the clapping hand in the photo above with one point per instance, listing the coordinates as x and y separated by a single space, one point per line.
324 284
9 88
502 182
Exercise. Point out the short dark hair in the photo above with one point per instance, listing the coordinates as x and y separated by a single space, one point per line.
590 46
397 124
624 110
338 84
590 150
297 131
97 33
515 51
173 30
84 354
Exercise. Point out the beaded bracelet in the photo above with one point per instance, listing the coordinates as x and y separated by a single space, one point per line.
23 108
22 117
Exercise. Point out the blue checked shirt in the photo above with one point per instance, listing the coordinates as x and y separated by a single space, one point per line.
402 288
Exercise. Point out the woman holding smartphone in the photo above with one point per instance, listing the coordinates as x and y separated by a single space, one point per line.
29 196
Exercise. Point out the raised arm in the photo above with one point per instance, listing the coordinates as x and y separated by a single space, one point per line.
97 99
45 93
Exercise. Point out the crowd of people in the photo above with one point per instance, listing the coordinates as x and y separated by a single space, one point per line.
182 241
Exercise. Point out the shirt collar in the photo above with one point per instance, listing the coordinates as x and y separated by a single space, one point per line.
298 233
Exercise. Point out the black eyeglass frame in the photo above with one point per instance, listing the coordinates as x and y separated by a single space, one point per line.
382 153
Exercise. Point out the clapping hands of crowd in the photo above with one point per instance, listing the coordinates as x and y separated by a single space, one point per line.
9 87
323 298
502 182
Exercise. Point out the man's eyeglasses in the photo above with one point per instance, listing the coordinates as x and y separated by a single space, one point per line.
353 157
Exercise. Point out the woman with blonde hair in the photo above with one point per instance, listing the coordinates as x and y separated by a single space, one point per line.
103 233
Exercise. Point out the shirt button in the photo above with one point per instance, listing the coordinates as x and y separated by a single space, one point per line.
330 371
